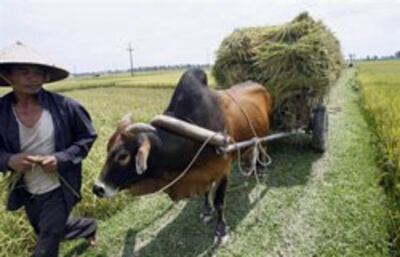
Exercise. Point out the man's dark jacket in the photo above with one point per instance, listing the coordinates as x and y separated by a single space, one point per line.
74 136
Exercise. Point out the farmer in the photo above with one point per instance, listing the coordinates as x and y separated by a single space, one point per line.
43 139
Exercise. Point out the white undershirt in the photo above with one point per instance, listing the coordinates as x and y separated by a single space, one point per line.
39 140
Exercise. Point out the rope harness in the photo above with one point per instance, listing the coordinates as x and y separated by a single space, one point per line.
258 151
258 154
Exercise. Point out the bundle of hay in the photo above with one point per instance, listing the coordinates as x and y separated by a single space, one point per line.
298 62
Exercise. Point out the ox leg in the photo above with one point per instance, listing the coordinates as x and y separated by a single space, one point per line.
207 212
219 201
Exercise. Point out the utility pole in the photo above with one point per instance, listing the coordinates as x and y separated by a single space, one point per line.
351 56
75 73
130 49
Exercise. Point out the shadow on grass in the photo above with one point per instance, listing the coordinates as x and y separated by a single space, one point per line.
77 250
129 244
187 236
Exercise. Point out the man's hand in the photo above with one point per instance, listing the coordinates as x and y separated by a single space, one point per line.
48 163
21 162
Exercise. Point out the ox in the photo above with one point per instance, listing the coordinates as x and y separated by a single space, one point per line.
144 158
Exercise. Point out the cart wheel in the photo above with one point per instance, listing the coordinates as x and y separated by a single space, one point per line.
319 139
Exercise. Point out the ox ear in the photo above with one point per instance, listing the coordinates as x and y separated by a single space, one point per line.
142 156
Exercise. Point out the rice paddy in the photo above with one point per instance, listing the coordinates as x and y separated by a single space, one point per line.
379 84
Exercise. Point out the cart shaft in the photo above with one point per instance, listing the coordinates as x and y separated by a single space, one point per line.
251 142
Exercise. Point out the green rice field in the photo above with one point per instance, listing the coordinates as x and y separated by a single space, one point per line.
380 92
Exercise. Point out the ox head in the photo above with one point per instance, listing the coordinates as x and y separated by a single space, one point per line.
127 153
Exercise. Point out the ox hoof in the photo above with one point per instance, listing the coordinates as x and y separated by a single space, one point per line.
206 217
221 234
221 240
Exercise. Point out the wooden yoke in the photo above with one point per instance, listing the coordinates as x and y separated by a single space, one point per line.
189 130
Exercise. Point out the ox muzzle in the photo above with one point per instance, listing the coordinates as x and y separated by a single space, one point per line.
103 191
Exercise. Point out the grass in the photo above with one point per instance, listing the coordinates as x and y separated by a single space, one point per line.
380 91
306 205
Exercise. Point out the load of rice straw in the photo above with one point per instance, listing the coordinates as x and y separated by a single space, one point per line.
297 62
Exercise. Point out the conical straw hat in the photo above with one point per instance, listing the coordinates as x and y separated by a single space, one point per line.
19 53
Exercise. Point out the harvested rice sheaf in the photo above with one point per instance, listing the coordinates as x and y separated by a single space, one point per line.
298 62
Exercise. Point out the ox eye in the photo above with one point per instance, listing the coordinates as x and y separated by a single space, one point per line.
123 157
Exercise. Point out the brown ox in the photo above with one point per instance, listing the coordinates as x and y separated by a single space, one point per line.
144 158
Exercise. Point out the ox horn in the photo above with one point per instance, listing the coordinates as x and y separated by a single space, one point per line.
125 121
139 127
127 118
